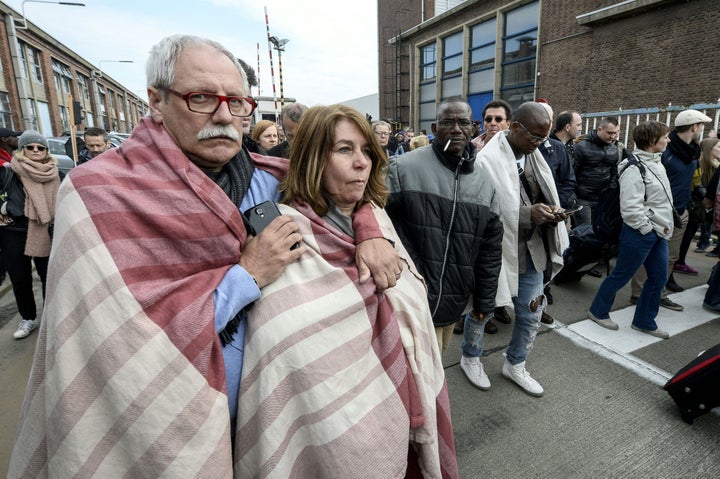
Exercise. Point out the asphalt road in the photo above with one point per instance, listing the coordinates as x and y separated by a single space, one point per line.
603 415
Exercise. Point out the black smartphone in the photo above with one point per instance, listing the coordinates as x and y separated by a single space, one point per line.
259 216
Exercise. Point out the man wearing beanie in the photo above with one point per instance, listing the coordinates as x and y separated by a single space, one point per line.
680 160
8 144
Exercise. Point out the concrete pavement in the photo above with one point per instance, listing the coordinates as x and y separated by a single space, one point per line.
603 414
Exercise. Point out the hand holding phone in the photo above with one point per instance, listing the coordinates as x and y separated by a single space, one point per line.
259 216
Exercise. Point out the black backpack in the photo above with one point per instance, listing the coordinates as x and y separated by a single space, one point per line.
607 220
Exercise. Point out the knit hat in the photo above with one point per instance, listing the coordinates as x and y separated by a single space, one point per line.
691 117
31 136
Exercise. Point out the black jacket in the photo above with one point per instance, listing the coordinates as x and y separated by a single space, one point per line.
596 166
281 150
15 198
562 170
429 192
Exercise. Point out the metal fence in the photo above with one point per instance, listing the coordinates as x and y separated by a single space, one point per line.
628 119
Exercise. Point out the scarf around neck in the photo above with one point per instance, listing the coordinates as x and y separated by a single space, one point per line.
40 183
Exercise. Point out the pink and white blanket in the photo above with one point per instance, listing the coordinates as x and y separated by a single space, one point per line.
128 378
338 380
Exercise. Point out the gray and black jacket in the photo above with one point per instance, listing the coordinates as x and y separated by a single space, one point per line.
446 213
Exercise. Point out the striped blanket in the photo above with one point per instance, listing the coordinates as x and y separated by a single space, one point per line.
128 378
338 380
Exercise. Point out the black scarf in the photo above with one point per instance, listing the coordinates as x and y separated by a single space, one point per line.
687 152
234 178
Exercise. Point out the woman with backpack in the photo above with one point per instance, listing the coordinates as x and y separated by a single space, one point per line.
647 213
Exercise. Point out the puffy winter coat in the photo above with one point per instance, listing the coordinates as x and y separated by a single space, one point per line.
446 213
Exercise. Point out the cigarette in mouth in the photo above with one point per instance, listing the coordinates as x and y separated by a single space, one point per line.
447 145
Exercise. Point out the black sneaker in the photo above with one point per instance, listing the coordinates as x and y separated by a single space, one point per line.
673 286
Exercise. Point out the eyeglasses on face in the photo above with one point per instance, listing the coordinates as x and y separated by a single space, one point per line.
35 147
498 119
382 133
449 123
533 138
208 103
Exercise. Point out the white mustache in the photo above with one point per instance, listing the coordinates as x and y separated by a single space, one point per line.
219 131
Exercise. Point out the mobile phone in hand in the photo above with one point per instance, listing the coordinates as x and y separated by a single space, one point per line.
568 211
259 216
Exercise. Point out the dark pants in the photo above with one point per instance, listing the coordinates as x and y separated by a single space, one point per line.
712 296
19 268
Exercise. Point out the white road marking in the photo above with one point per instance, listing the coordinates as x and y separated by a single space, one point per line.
617 346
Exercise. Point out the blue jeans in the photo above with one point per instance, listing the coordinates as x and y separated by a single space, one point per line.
636 249
473 336
529 305
527 319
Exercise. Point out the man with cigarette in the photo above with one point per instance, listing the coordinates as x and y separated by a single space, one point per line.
445 210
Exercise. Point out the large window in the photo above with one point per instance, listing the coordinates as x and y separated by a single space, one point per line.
482 57
30 58
83 86
62 81
6 120
452 65
428 76
519 54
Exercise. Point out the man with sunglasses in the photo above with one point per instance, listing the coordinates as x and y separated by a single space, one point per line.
445 210
496 118
532 241
141 352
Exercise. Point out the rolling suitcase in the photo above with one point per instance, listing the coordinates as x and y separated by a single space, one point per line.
696 387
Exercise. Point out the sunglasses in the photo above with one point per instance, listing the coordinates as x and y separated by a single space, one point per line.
498 119
35 147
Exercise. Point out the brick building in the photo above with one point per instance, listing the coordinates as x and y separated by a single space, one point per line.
38 74
587 55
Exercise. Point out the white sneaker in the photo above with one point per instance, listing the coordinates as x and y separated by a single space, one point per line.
473 369
25 328
521 377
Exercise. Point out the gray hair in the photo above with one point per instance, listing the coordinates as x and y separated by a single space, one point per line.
294 111
160 68
381 123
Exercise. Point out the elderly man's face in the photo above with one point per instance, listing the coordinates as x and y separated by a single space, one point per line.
290 128
201 68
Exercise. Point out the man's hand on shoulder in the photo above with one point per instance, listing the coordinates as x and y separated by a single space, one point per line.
266 255
377 258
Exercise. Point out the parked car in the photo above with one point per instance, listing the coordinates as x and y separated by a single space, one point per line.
57 149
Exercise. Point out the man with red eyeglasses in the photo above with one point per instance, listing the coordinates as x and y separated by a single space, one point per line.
138 363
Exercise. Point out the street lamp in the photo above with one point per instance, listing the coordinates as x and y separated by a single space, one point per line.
24 20
97 74
280 47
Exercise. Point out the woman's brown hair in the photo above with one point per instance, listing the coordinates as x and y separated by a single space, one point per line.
648 133
311 148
